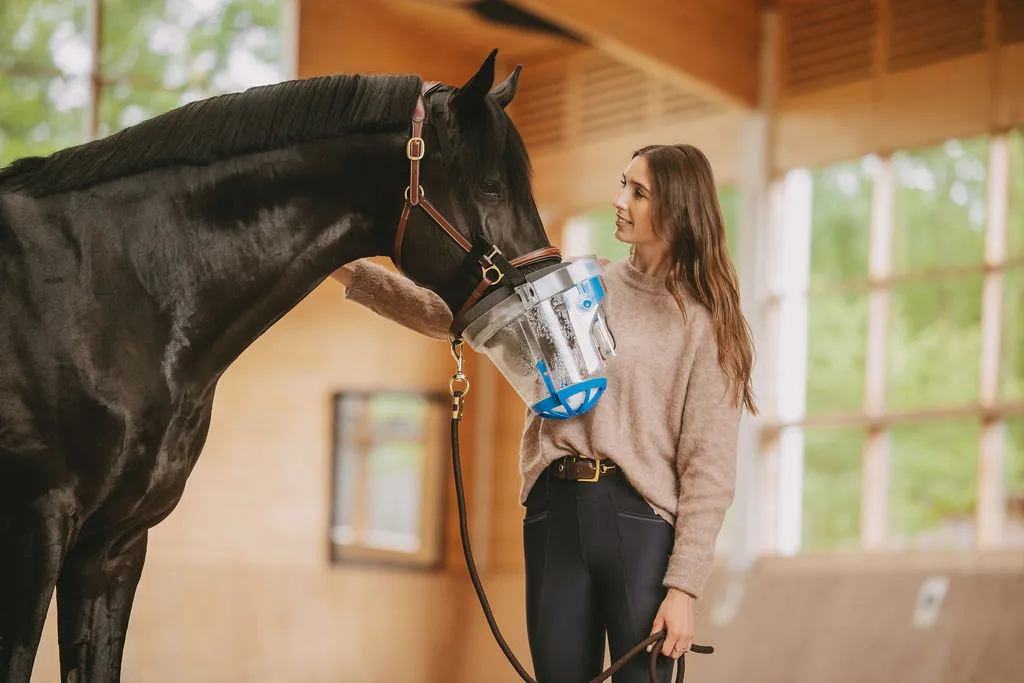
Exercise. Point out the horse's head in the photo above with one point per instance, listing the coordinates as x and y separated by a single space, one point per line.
469 193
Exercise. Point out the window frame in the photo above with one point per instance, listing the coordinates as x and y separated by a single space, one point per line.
434 488
875 418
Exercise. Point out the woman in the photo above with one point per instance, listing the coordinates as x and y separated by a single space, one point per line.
627 555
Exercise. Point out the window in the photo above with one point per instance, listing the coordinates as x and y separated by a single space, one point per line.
901 308
729 200
154 55
933 484
389 478
1015 214
1015 482
44 76
837 300
841 222
1012 375
832 488
934 342
836 334
940 206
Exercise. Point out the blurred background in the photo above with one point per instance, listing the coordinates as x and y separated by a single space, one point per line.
870 162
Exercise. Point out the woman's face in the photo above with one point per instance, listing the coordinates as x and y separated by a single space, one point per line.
634 224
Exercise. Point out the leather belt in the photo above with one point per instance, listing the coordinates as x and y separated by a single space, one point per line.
579 468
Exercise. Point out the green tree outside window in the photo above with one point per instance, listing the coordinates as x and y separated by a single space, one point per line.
155 55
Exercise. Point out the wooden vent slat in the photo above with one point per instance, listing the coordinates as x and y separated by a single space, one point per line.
612 98
812 22
812 11
926 32
541 109
828 43
861 46
1011 21
680 105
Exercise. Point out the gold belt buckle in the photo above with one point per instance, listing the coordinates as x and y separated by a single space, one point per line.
597 469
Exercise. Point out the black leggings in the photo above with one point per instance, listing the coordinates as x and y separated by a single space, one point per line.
596 554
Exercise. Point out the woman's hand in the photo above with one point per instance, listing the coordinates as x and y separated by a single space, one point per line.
675 616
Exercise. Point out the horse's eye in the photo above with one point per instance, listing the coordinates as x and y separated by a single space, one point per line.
491 188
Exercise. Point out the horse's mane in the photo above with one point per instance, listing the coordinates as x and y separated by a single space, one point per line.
200 133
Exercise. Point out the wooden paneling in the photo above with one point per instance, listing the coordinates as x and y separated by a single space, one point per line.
1010 19
862 76
827 44
228 622
925 32
371 37
704 45
439 41
960 97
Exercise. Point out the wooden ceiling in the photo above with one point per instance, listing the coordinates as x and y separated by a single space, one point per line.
709 47
451 22
706 46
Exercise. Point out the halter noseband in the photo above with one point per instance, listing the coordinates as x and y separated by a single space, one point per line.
493 264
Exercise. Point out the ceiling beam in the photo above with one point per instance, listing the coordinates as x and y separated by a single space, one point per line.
709 47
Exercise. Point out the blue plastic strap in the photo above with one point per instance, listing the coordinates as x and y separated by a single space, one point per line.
557 407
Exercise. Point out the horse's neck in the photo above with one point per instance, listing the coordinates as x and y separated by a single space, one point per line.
239 252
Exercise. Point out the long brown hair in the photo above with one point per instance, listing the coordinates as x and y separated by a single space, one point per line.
687 216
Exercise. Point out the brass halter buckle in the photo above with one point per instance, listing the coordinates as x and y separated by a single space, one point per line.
421 148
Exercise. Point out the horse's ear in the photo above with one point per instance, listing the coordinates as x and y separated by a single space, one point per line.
505 91
471 96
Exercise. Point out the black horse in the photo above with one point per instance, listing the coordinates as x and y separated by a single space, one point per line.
135 269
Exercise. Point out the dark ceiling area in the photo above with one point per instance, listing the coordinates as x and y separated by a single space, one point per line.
509 14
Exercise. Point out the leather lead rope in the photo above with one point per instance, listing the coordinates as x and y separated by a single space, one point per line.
458 386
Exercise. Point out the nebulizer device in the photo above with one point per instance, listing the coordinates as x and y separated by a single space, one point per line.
549 337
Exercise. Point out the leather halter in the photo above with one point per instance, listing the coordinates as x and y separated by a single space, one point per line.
493 264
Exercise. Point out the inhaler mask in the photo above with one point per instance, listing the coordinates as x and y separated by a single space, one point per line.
549 338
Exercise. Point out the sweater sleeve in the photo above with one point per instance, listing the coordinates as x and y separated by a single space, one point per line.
706 466
399 299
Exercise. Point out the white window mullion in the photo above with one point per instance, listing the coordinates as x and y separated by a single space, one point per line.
875 470
290 26
990 513
767 377
92 115
792 377
757 239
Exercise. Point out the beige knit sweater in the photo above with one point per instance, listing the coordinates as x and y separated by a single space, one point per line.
667 417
